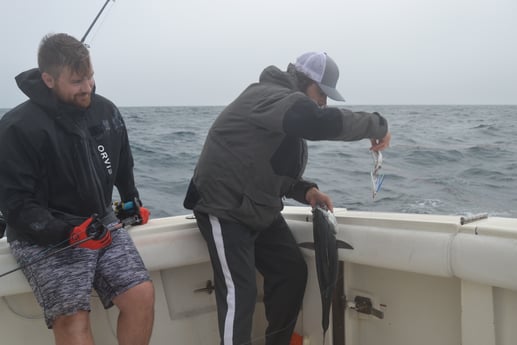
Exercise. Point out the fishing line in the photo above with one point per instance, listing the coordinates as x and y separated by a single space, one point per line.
83 39
50 251
40 256
53 251
97 28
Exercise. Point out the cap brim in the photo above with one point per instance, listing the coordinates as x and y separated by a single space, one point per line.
331 93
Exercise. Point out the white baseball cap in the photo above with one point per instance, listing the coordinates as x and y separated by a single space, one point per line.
323 70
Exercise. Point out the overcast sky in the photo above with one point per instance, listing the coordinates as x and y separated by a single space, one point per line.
204 52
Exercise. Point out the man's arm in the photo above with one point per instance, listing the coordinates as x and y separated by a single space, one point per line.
306 120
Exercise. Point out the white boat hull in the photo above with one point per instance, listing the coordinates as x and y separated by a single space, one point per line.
434 280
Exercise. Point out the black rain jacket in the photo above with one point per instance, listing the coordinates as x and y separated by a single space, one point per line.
59 163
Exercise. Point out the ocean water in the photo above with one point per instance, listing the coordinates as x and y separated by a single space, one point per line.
456 159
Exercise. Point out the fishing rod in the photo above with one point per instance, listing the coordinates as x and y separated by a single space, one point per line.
95 20
124 222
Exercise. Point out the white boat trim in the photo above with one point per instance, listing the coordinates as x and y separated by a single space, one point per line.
424 272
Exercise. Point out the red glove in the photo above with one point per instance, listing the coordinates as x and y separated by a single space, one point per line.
144 215
99 236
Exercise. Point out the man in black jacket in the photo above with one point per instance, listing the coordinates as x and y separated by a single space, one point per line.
62 153
254 155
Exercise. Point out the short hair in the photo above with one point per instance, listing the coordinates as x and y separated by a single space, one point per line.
302 80
57 51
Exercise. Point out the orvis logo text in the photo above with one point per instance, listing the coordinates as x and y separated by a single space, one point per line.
105 158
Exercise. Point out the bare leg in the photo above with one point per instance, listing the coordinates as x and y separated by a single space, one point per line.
135 322
73 329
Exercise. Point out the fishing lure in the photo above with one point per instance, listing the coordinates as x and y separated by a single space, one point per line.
377 178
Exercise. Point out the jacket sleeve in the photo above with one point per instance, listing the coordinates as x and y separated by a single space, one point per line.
299 189
125 179
306 120
19 176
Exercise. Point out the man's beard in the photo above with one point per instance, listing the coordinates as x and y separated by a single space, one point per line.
82 100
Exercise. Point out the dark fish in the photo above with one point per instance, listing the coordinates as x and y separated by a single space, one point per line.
325 246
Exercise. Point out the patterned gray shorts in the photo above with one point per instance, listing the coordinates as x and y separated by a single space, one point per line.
63 283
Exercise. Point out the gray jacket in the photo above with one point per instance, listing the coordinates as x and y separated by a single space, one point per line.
255 152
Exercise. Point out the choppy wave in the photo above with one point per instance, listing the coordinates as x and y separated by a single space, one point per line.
443 159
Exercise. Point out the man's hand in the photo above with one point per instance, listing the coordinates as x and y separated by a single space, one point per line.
91 234
317 198
133 208
381 144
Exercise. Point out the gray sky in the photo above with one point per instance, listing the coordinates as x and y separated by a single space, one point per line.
204 52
